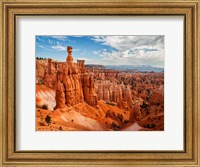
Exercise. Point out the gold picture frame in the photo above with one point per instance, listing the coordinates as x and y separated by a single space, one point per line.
10 9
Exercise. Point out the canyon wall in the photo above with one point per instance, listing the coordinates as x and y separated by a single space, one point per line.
70 80
114 92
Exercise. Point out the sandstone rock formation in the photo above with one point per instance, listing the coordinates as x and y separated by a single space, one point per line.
40 71
88 89
114 92
108 91
45 96
73 84
50 79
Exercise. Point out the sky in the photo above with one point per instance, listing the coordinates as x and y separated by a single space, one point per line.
104 50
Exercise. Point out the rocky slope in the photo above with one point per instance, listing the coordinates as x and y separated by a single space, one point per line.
45 96
81 116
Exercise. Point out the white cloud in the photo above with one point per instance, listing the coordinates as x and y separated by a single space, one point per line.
60 37
96 52
59 48
139 57
87 60
38 38
50 41
41 46
138 50
78 36
128 42
83 58
75 50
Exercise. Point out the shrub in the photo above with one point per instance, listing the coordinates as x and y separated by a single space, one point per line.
40 82
48 119
120 116
107 114
45 107
114 126
144 105
126 121
150 125
42 124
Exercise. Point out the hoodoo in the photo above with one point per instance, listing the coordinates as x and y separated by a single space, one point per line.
74 85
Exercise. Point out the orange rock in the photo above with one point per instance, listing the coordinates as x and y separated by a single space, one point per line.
73 84
157 97
88 90
60 96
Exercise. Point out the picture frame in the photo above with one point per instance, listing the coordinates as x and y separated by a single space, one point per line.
10 9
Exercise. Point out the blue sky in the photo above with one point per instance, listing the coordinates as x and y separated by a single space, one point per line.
105 50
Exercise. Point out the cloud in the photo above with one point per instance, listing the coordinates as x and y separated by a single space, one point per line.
138 50
50 41
87 60
75 50
40 38
128 42
139 57
59 37
96 52
59 48
83 58
41 46
78 36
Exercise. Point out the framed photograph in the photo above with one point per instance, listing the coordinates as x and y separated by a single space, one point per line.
90 83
